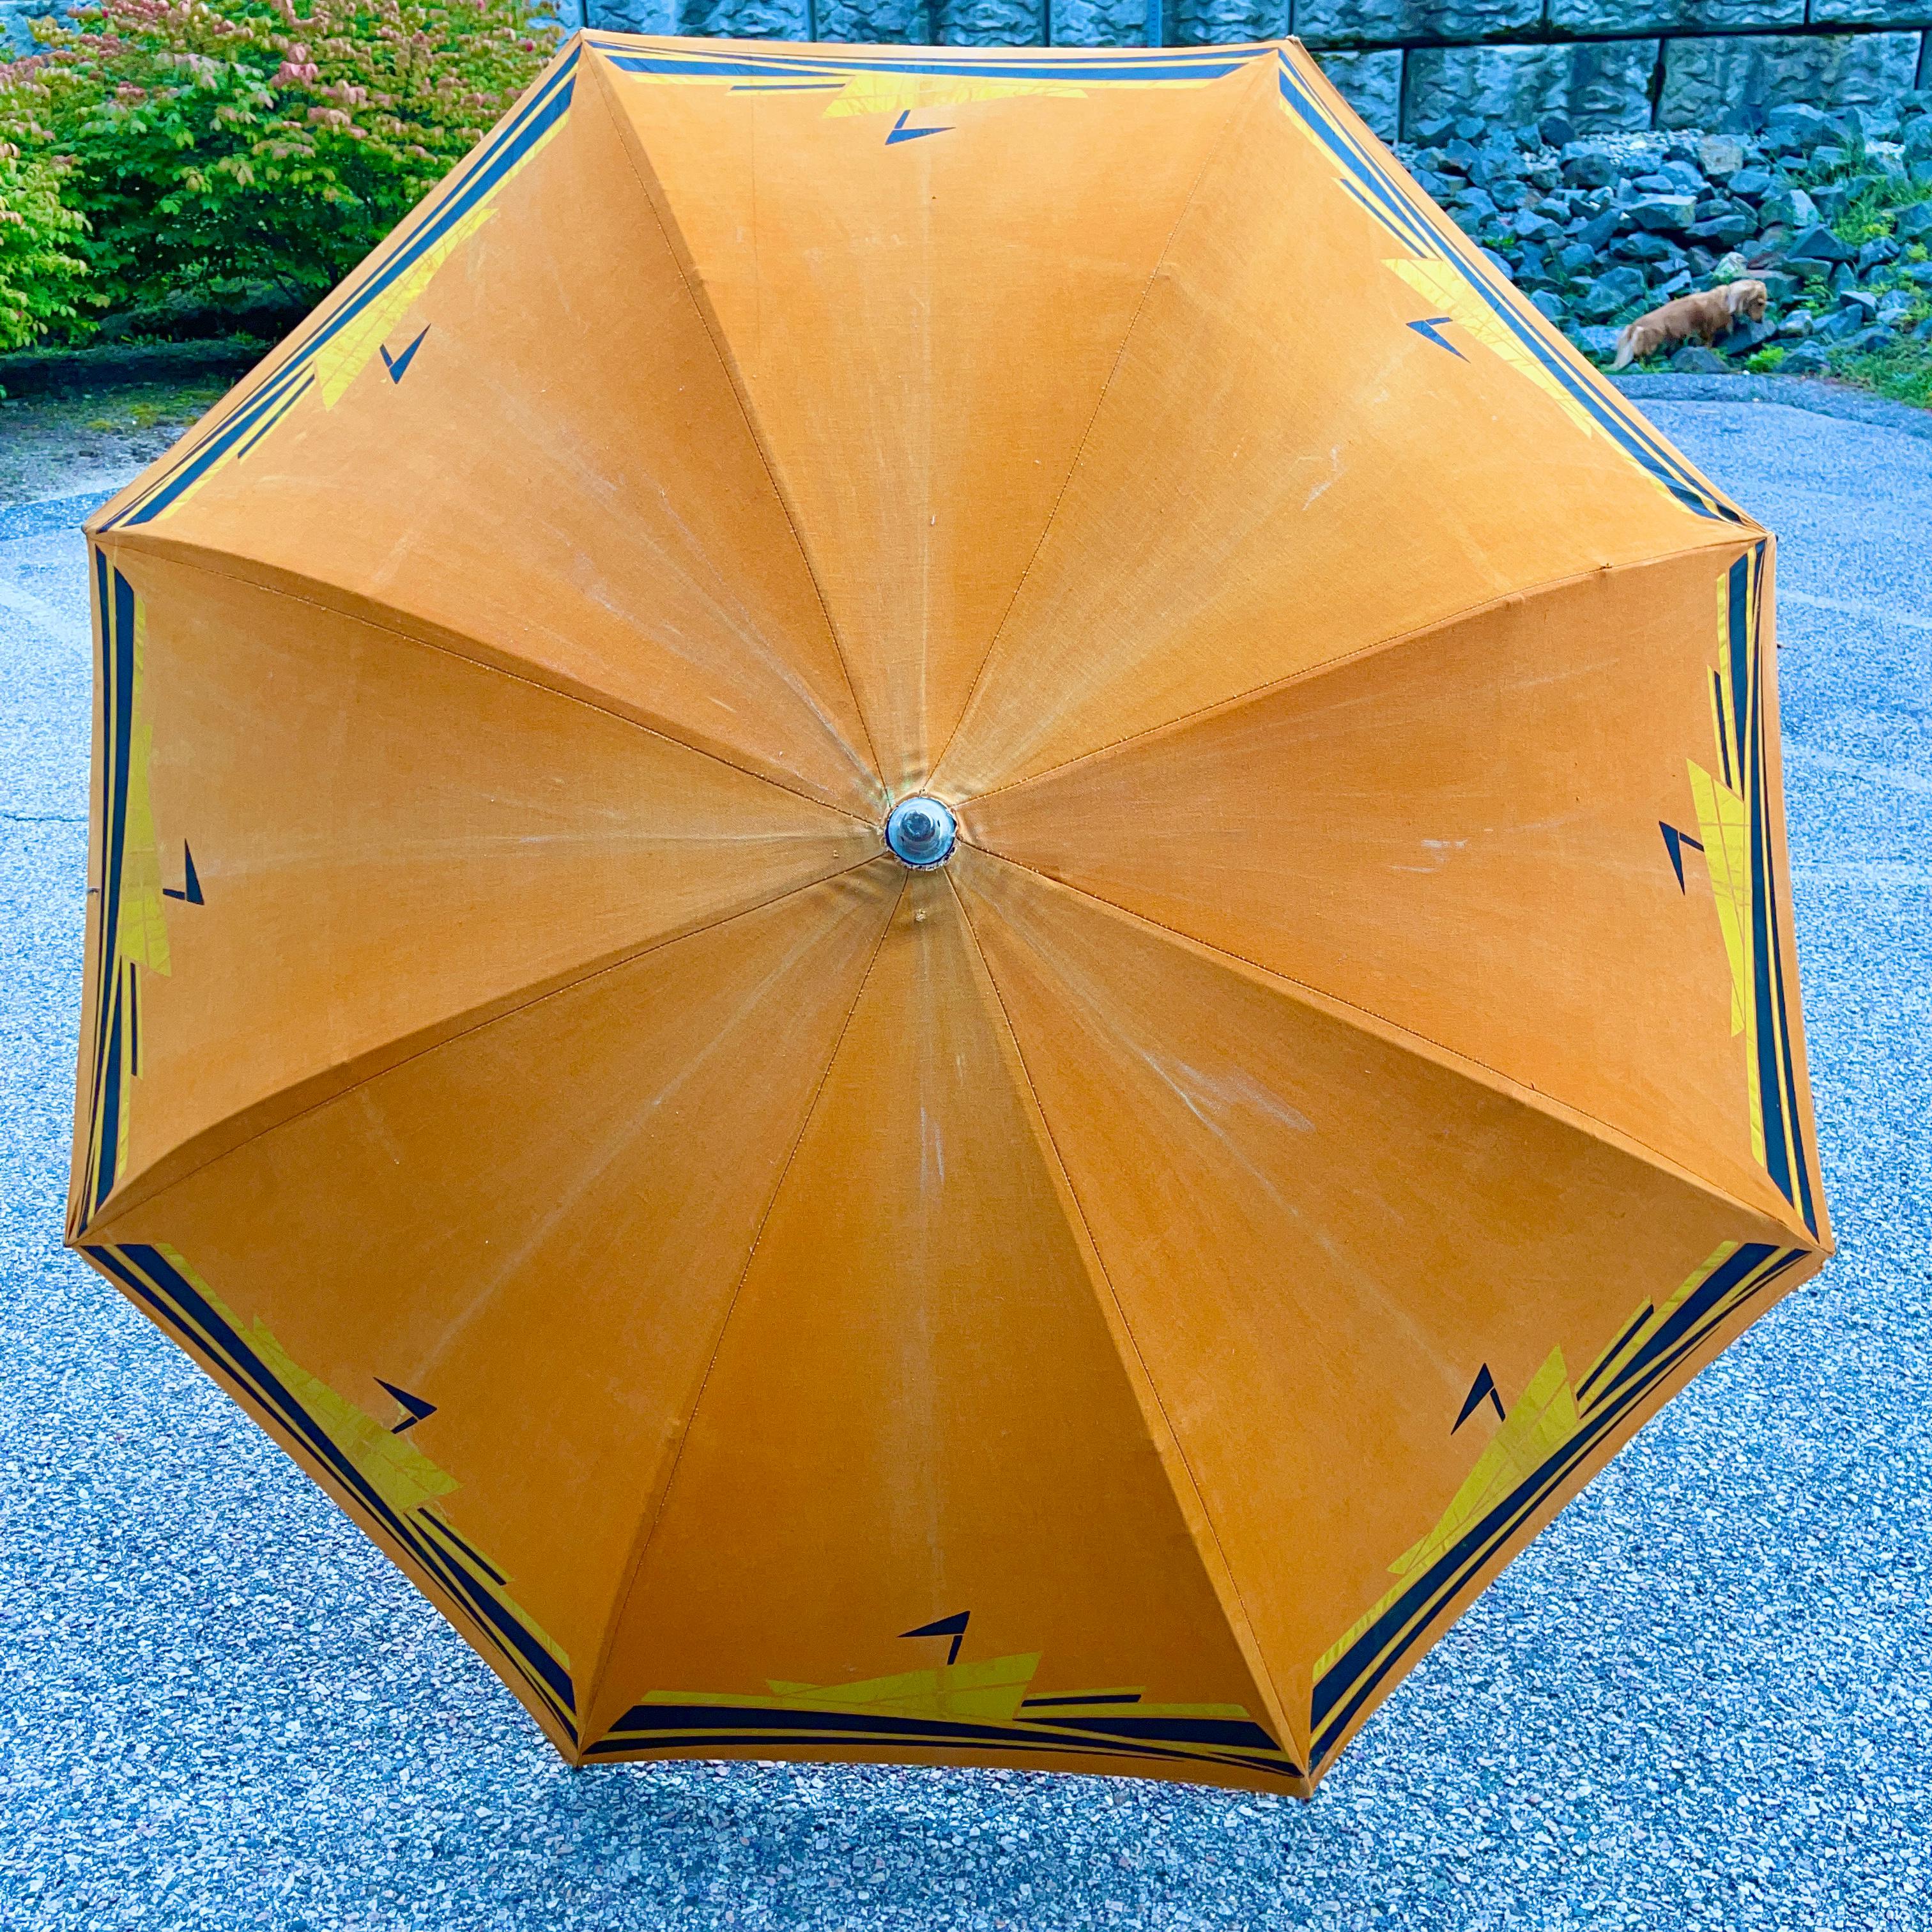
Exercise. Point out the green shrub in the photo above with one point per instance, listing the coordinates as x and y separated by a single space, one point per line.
42 279
210 145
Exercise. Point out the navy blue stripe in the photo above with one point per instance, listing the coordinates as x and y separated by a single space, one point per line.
1735 1268
495 159
1402 213
1771 1098
103 951
1230 1733
1454 1570
1794 1134
615 1746
1168 68
1429 241
110 1112
275 415
265 402
218 1343
858 1726
121 629
1737 618
475 1555
1610 1353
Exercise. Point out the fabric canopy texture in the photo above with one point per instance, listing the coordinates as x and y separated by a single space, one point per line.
1101 1282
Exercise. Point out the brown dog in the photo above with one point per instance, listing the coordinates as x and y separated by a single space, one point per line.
1704 316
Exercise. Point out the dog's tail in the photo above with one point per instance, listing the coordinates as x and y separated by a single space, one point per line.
1626 345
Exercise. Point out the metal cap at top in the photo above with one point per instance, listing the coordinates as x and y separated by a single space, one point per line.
921 831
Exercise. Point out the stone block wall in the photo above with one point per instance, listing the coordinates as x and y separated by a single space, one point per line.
1607 66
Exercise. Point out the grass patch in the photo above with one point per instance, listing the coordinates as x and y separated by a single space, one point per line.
1903 372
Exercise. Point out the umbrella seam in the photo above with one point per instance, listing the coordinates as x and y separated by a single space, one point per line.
1273 1690
96 1230
176 551
1221 142
647 1531
1535 1098
632 144
1416 634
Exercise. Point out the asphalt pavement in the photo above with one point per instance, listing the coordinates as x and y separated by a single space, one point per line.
1703 1699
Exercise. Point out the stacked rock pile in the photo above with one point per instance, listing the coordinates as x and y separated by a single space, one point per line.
1598 229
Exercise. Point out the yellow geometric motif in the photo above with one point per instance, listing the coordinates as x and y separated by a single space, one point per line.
1723 825
351 349
989 1691
1443 285
399 1472
336 363
1545 1417
141 931
1448 287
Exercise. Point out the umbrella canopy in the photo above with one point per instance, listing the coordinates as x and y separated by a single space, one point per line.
939 909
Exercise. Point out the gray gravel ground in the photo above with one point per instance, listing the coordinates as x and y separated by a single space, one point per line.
1703 1699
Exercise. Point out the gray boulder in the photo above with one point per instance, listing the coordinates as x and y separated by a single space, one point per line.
1598 232
1789 208
1664 213
1796 120
1806 359
1697 362
1615 290
1598 339
1589 169
1746 337
1720 156
1839 325
1820 244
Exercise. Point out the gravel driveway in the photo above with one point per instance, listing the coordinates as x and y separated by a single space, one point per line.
1703 1699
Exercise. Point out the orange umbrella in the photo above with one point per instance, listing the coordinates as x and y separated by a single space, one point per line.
939 909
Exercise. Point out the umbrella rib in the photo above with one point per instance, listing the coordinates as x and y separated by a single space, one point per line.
647 1529
1100 401
1253 1646
190 556
634 153
1729 540
1566 1112
137 1197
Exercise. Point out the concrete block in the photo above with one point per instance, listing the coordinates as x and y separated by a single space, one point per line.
1704 79
1198 23
1093 23
1666 16
1371 84
989 23
901 20
1342 23
745 19
1874 12
1601 86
